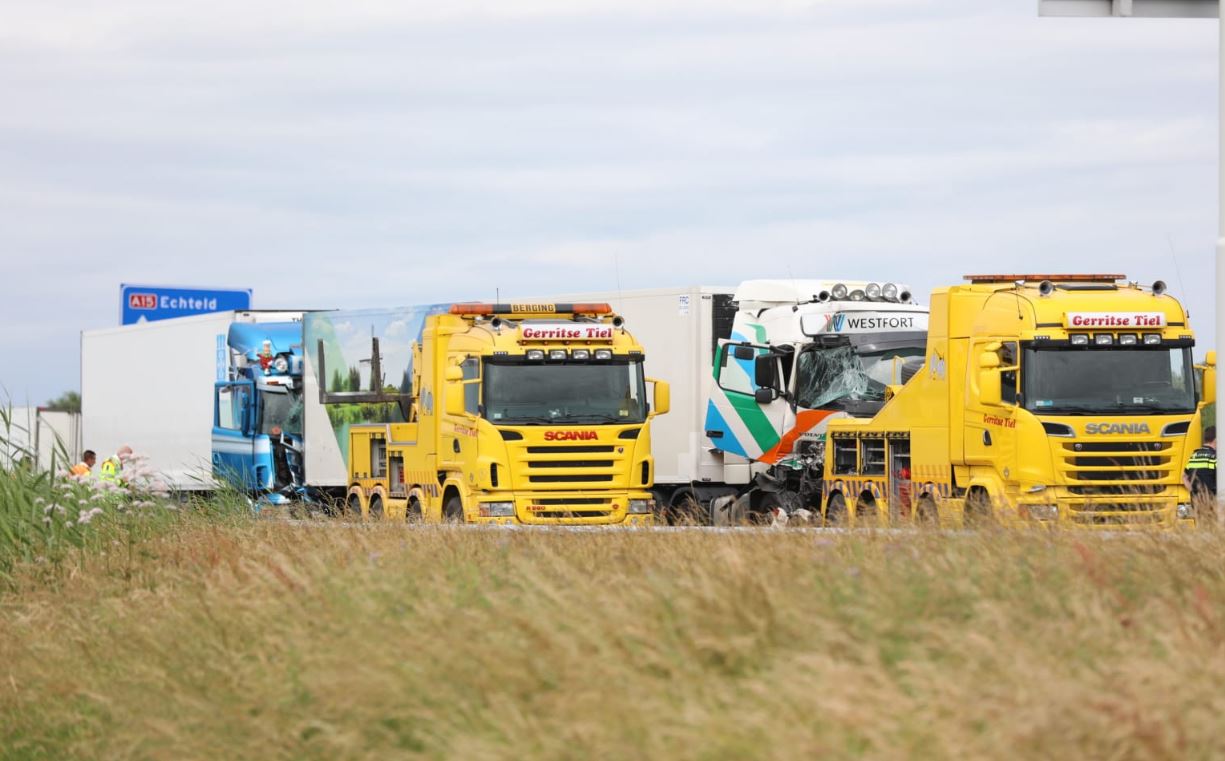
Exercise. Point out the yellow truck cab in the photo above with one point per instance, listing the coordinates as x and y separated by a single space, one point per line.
1065 400
519 413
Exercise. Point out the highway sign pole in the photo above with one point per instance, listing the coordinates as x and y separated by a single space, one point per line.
1176 9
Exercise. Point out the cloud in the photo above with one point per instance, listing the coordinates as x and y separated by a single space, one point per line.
387 153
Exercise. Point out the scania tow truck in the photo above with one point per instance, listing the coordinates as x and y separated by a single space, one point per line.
1064 400
518 413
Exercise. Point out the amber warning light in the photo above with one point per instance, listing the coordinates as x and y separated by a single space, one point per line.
530 309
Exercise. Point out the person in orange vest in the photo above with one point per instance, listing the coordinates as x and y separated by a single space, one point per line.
85 466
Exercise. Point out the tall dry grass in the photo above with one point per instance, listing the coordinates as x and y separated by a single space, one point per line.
270 640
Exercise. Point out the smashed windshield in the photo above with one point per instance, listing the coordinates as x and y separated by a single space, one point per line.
280 412
834 375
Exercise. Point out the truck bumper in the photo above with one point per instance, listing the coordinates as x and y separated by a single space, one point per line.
565 509
1057 508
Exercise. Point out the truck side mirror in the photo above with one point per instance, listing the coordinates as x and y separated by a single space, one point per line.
765 372
663 398
990 385
764 395
744 352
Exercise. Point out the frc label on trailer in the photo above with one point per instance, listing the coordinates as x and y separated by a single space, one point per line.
1115 319
566 331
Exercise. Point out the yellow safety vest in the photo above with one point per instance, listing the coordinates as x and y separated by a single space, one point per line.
110 470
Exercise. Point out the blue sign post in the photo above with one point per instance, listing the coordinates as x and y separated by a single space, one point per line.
146 303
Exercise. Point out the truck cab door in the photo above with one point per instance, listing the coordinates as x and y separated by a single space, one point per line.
748 410
233 429
990 424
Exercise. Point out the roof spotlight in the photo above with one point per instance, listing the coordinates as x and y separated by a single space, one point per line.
904 297
857 295
839 292
889 291
872 291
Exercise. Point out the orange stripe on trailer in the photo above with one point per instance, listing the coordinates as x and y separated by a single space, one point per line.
804 422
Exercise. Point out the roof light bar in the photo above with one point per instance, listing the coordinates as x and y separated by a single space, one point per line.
1012 279
537 309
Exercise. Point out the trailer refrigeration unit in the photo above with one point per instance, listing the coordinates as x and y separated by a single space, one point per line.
212 396
756 373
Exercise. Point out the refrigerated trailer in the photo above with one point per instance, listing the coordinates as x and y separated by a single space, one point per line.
167 389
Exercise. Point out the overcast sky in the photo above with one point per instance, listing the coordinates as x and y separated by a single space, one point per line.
392 152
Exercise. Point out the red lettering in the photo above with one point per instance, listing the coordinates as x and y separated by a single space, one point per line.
570 436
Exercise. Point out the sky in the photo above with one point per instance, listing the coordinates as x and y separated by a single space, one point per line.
389 152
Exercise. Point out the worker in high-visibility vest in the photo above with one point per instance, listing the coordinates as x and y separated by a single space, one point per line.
1201 470
112 467
85 466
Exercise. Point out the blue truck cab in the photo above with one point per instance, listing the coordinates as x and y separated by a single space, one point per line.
258 412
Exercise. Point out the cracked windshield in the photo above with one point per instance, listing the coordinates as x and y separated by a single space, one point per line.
843 374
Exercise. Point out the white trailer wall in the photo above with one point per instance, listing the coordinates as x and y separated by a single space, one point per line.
35 430
677 329
150 386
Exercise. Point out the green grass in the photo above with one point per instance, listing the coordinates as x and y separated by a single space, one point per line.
259 639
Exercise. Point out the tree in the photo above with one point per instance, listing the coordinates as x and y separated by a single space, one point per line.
355 379
69 401
337 382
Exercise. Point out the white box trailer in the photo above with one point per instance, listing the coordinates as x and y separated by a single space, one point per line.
679 329
50 437
150 386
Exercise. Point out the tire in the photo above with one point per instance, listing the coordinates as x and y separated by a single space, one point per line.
686 510
412 514
927 515
353 508
978 510
453 510
376 508
835 510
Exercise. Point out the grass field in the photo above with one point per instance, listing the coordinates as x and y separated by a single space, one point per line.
231 637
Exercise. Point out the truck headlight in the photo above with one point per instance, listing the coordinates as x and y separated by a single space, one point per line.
641 506
1044 512
497 509
1186 512
280 364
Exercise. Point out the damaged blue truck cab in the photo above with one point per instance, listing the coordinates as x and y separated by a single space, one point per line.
258 412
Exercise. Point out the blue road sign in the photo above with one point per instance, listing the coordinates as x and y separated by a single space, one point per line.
146 303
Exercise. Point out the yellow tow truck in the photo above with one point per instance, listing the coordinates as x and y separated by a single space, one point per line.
1066 400
530 413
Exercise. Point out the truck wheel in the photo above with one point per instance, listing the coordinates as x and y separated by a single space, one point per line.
978 510
835 511
453 511
928 515
353 508
413 513
376 508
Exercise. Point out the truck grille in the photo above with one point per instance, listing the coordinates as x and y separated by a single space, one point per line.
572 466
1137 466
1120 483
